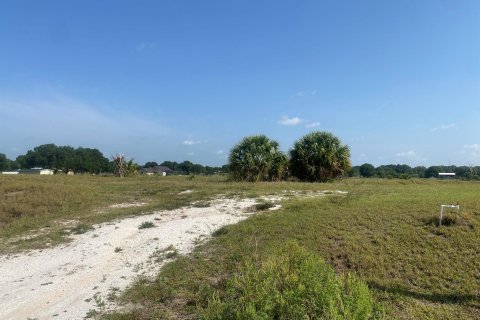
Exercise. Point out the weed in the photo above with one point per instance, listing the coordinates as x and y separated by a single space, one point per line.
98 300
112 295
91 314
118 249
160 255
146 224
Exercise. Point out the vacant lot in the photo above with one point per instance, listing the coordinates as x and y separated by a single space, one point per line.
384 231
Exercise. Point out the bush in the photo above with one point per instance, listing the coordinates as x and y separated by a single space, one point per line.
257 158
319 156
291 284
146 225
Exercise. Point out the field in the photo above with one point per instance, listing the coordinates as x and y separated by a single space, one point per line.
383 231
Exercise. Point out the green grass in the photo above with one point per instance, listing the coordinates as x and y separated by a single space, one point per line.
40 211
384 232
381 232
291 283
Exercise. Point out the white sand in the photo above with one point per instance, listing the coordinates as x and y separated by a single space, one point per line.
67 281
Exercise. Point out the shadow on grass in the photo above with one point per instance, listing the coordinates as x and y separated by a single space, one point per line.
434 221
436 298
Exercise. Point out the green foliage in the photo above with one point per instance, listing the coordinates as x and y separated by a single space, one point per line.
319 156
367 170
257 158
150 164
5 163
64 158
187 167
404 171
131 167
290 284
354 171
146 225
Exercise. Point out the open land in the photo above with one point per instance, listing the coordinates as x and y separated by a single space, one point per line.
383 231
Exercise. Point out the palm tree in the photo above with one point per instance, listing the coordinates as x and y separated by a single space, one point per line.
319 156
257 158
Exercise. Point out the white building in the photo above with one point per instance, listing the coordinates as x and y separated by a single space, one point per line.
40 171
10 172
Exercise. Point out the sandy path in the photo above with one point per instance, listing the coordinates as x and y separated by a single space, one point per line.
67 282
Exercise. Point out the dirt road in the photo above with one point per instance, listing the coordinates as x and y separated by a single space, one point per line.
73 280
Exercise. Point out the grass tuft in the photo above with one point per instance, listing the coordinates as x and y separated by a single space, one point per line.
146 225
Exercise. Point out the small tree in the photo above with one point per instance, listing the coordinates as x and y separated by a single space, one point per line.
122 167
119 165
257 158
319 156
367 170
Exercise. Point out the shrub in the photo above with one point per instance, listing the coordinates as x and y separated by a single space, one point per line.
257 158
146 224
319 156
291 284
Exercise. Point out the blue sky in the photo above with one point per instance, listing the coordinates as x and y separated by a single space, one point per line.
398 81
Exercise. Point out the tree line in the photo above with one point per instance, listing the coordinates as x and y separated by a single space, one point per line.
404 171
318 156
188 168
64 158
87 160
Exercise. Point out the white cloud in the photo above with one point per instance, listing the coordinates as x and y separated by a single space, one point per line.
192 142
190 153
312 125
286 121
220 152
145 46
445 127
304 93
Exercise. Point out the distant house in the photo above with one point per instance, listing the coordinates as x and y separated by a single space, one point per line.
446 175
11 172
159 170
37 170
